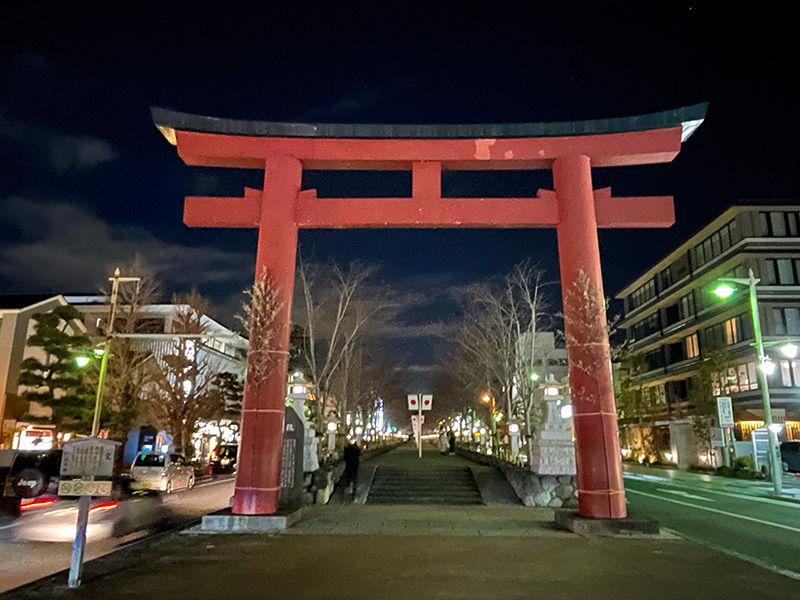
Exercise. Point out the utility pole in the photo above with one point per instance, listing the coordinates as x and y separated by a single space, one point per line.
84 502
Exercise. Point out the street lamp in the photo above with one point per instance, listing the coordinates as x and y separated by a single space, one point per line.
489 399
766 367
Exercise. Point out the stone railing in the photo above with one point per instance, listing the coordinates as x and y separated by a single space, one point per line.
554 491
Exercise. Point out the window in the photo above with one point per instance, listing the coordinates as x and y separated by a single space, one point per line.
782 271
715 244
646 327
779 224
736 329
692 347
686 306
790 373
666 278
643 294
149 325
714 336
654 359
787 321
741 378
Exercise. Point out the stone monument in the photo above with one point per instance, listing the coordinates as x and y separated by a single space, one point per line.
553 448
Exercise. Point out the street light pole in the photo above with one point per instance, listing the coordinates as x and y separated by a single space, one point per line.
774 462
84 502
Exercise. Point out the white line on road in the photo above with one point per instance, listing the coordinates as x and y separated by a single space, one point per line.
685 494
718 511
745 557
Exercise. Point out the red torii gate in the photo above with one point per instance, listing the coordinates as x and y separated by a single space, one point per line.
570 149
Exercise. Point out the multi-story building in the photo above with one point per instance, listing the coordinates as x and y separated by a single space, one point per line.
16 326
673 320
222 349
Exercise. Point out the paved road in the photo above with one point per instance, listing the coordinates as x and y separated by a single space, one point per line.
24 561
726 515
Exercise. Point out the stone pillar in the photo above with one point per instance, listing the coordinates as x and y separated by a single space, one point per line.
259 469
599 466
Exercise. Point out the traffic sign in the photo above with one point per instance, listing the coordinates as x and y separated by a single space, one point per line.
725 411
78 487
413 402
427 401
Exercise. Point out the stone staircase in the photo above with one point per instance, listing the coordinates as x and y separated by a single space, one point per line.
443 485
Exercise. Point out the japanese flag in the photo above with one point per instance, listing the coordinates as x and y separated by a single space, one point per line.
413 402
427 401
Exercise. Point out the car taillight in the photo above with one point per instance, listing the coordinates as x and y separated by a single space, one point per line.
104 506
209 470
29 504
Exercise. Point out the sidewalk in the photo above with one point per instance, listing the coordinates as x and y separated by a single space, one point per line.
376 552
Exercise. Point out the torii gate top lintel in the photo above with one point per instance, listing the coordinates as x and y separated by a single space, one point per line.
641 139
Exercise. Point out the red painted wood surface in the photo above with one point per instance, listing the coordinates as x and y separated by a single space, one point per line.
573 208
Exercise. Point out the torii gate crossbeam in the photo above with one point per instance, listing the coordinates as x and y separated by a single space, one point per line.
574 208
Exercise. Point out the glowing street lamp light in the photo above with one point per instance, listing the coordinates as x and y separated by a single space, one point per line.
766 367
82 361
789 350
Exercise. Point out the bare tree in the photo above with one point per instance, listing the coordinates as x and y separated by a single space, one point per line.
498 336
183 391
334 307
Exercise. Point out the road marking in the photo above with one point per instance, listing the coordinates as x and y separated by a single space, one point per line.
745 557
718 511
784 502
684 494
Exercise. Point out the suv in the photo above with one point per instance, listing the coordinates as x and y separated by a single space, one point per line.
790 456
162 472
223 459
26 474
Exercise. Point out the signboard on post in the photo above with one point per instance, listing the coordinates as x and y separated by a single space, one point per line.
413 402
427 401
725 412
88 457
415 422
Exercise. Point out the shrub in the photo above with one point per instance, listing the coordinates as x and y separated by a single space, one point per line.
744 463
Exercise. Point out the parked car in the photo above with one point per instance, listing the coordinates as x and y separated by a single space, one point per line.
223 459
161 472
790 456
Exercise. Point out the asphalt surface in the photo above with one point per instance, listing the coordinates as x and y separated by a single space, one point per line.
731 516
24 561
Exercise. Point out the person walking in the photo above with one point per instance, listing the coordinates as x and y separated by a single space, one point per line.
352 458
443 442
452 441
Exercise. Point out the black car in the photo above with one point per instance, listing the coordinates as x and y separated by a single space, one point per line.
223 459
790 456
27 474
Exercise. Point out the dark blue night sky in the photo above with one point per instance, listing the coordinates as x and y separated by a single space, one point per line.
86 181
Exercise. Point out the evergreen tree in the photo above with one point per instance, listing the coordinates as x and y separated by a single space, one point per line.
57 382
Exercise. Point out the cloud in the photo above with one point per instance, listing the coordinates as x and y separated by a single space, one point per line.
63 247
49 150
350 103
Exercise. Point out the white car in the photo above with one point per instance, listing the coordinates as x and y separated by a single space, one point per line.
163 472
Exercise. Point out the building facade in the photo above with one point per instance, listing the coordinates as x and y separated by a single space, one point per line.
673 320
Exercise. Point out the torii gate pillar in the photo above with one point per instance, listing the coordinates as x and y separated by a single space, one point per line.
259 464
600 486
571 149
